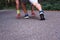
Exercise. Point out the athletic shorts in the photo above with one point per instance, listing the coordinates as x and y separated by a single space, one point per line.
24 1
33 1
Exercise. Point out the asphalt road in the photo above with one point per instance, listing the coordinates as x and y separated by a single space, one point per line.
29 29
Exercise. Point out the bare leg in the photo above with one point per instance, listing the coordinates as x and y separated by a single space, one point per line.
38 6
24 7
17 8
25 10
32 10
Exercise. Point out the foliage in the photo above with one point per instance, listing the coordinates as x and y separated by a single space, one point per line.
46 4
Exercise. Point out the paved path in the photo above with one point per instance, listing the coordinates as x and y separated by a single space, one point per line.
29 29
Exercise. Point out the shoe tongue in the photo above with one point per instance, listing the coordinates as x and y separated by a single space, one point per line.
26 14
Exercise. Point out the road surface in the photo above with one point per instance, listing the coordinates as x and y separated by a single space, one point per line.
29 29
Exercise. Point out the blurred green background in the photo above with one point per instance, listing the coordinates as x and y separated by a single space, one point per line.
46 4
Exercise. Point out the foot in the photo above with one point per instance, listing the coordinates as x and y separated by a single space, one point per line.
18 16
26 16
33 14
42 17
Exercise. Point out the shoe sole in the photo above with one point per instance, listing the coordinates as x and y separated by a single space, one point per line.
26 17
42 17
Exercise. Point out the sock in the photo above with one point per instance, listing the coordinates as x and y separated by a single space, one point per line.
18 11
